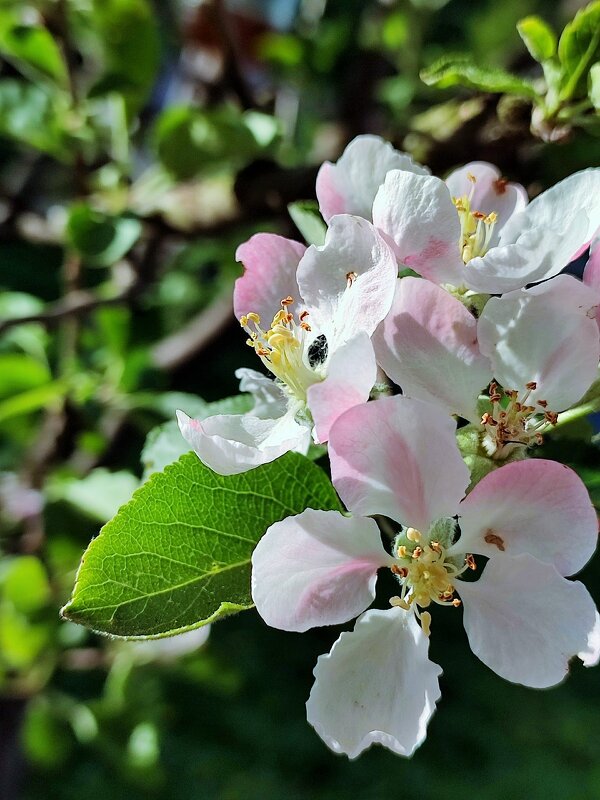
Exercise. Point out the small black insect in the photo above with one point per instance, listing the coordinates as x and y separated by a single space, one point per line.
317 351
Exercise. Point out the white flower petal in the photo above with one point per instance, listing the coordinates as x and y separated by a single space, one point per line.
525 621
591 654
534 506
351 374
417 214
350 185
376 686
348 283
539 242
428 345
270 402
316 568
545 334
234 443
398 457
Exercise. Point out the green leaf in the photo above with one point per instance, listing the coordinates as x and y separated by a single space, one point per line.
594 85
178 555
130 49
453 70
99 238
25 583
34 116
20 373
32 50
191 141
32 400
165 444
578 49
539 38
99 495
307 218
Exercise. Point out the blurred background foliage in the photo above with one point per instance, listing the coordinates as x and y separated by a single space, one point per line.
140 143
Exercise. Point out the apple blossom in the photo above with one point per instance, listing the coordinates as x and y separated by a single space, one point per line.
475 231
533 521
309 314
541 344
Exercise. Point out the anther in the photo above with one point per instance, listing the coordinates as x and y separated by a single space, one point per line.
531 385
413 535
287 301
470 562
350 278
254 318
456 602
417 552
303 316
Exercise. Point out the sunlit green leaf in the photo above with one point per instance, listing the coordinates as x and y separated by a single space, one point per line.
178 555
32 49
578 49
34 116
453 70
307 218
539 38
594 88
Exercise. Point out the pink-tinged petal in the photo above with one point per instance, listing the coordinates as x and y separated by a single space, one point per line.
270 264
545 334
350 185
398 457
317 568
541 240
591 273
534 506
428 345
489 193
525 621
351 374
230 444
417 214
376 686
348 283
591 654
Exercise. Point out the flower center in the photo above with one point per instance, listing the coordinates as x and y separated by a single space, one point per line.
476 228
513 422
285 348
426 573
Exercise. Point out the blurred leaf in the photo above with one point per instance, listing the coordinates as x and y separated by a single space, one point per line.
34 116
452 70
165 444
395 30
283 49
44 736
178 555
31 49
21 642
539 38
191 141
128 36
594 89
99 495
307 218
25 583
99 238
32 400
578 49
19 373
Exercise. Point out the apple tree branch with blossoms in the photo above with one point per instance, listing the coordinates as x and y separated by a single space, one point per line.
419 347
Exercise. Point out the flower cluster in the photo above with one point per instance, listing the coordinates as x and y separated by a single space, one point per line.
448 292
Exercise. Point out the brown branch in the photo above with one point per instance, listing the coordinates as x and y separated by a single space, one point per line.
75 304
233 73
174 350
